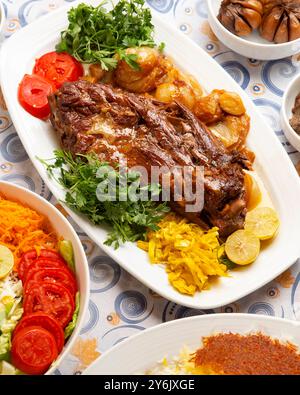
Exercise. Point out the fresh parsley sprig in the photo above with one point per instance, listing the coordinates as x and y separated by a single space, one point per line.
129 217
96 35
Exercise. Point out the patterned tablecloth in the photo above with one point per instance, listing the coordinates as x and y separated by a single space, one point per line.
119 305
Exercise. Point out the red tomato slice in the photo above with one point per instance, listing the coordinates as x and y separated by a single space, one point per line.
33 350
58 68
26 260
53 299
40 263
33 95
45 321
57 275
51 255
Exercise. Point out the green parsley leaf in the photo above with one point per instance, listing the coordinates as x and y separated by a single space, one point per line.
96 35
130 215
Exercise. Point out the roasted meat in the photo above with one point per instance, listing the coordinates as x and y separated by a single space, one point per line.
118 125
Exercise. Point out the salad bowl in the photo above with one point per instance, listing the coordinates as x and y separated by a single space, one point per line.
64 230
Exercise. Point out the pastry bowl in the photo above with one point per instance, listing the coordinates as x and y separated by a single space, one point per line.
252 46
288 102
63 229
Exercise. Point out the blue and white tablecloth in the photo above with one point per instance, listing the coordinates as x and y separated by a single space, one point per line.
119 305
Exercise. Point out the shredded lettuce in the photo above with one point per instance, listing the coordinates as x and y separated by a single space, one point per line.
7 325
8 369
10 313
11 286
5 344
70 327
2 314
66 251
13 315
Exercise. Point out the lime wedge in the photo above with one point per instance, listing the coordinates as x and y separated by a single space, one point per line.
242 247
263 222
6 261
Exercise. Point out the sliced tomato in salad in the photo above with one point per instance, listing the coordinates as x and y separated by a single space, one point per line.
31 259
50 298
56 275
58 67
50 254
45 321
26 260
33 95
43 263
33 350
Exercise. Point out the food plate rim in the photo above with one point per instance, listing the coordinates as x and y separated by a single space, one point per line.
196 320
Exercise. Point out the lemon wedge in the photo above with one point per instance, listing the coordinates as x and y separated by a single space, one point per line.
253 192
263 222
6 261
242 247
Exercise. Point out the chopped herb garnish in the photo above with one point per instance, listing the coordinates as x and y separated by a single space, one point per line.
227 262
130 215
96 35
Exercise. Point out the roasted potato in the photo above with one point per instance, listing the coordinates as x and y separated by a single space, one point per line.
208 109
152 68
96 71
97 74
232 130
179 86
232 104
213 107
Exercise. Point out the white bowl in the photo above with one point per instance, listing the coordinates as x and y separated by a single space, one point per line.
142 351
2 18
288 102
252 46
63 228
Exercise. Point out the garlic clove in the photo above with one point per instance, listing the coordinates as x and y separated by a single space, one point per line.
294 27
241 27
254 5
282 34
252 17
270 23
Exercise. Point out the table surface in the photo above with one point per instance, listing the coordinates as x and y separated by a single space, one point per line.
119 305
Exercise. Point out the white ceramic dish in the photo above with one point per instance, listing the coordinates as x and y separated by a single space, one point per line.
288 102
63 228
2 19
273 164
252 46
137 354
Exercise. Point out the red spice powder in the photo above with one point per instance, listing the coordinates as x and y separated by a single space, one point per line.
257 354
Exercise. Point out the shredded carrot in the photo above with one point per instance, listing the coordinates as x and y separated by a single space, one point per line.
23 229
